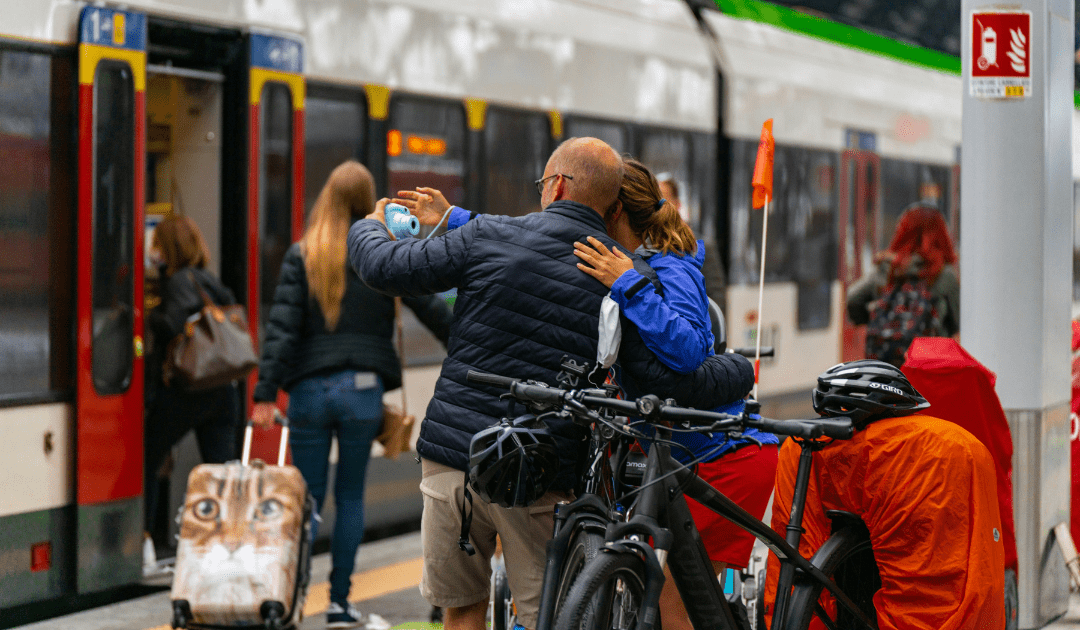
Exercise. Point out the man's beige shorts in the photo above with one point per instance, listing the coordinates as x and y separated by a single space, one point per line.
453 579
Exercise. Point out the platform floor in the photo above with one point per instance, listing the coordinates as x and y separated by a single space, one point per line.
385 583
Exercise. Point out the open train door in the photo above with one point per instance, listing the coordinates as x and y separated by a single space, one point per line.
275 184
109 386
860 173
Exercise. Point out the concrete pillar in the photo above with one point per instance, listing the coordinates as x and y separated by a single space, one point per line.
1015 276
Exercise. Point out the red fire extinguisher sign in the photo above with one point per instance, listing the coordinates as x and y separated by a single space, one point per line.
1000 54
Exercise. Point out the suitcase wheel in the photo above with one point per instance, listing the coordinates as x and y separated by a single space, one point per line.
273 614
181 613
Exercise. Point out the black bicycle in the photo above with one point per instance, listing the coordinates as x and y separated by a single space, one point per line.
616 584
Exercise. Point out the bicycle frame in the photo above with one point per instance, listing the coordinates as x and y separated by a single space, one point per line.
662 514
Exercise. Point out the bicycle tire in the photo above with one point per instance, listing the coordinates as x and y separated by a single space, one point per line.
606 595
851 565
501 607
584 546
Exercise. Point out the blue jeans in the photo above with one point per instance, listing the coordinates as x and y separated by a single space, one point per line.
321 407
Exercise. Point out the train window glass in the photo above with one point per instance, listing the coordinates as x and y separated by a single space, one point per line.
802 226
425 147
904 183
615 134
714 230
275 189
112 288
36 223
667 153
516 150
1076 243
333 133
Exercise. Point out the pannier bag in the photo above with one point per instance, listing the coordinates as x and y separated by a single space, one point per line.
245 538
214 348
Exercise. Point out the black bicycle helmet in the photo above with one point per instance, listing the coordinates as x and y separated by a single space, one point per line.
866 390
513 464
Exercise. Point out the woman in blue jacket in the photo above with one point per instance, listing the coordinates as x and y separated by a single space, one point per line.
677 328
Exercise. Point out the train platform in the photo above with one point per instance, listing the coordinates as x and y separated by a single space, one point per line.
385 583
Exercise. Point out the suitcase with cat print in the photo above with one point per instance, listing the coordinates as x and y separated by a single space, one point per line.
244 545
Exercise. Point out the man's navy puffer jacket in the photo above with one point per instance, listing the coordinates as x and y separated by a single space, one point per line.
522 304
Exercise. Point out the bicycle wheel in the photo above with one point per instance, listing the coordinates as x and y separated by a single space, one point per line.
849 561
502 608
584 546
607 594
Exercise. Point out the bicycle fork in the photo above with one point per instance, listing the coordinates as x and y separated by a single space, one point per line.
794 533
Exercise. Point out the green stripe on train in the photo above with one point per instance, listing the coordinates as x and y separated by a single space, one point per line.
844 35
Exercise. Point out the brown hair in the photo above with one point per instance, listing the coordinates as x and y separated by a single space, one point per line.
181 244
658 225
349 194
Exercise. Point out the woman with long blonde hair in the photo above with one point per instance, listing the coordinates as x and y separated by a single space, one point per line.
329 345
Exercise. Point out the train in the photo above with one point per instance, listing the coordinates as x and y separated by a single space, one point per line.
233 112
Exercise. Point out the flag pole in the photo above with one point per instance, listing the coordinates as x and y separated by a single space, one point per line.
760 297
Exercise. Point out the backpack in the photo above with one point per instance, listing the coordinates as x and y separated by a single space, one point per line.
898 317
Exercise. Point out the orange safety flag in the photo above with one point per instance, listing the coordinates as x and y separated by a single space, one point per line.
762 181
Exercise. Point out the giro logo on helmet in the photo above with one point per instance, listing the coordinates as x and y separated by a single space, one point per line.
890 388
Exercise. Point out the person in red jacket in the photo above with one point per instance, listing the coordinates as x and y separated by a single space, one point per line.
924 487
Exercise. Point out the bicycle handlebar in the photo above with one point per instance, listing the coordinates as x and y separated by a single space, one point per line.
652 408
750 353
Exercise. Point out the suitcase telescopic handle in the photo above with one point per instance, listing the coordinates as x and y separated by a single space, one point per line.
281 419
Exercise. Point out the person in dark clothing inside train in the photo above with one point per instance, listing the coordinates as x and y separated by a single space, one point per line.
178 248
328 343
522 304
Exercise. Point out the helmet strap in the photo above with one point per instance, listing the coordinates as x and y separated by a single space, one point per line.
466 521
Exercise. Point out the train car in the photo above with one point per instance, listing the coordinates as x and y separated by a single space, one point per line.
234 112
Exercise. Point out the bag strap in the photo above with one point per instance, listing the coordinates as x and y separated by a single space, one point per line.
205 296
401 353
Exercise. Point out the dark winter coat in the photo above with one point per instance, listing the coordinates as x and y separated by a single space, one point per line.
522 304
297 343
945 291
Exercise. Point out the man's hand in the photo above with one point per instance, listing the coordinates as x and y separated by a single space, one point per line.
380 215
427 204
262 413
606 266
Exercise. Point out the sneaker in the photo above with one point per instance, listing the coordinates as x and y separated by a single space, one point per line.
347 616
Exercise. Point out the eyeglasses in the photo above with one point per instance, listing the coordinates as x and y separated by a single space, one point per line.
540 182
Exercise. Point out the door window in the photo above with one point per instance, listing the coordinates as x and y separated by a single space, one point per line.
333 133
113 286
275 189
516 147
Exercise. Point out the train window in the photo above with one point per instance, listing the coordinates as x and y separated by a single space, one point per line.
904 183
516 145
36 223
113 287
802 238
275 189
333 133
615 134
668 153
425 147
1076 243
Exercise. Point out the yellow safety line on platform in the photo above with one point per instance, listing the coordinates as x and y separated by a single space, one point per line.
366 585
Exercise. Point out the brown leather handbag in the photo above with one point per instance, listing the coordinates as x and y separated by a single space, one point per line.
397 423
213 350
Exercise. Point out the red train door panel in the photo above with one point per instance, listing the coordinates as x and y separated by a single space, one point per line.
275 185
109 386
860 173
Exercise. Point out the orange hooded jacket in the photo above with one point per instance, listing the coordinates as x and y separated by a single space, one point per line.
926 490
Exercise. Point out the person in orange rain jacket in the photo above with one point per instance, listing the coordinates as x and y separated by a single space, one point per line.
925 489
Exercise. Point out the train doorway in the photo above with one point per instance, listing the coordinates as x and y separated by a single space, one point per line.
860 177
194 80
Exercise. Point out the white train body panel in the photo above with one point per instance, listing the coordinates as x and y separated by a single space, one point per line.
38 455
